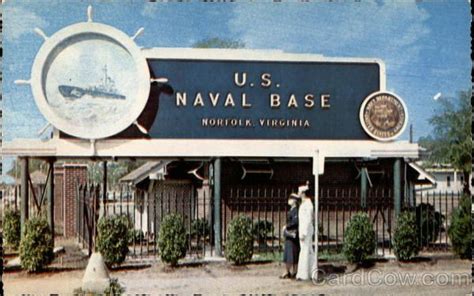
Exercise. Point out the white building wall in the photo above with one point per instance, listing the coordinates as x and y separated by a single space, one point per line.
447 181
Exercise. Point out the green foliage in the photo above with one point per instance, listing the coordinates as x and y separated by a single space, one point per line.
359 238
135 236
12 229
114 288
218 43
239 245
172 240
460 231
200 228
451 142
36 246
262 229
33 165
112 238
405 238
429 223
115 170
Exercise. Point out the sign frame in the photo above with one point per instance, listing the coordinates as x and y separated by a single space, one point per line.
61 39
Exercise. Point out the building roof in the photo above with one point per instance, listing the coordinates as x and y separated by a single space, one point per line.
424 177
147 170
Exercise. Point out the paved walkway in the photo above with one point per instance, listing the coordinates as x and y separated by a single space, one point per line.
441 277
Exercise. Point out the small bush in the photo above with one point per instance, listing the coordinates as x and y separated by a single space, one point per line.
429 223
359 239
114 288
239 245
12 229
172 241
262 229
200 228
405 239
112 239
460 230
135 236
36 246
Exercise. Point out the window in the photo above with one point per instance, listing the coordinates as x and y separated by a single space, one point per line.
448 181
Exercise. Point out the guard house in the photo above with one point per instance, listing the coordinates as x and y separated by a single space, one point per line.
260 122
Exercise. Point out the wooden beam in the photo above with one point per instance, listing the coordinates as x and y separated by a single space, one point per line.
24 168
50 189
217 206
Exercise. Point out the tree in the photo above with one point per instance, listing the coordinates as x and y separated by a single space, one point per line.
218 43
33 165
451 140
115 170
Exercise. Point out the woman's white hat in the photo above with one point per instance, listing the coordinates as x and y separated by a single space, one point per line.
303 188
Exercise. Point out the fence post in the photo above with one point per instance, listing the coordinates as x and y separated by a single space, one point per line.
104 190
24 198
363 187
217 206
397 194
51 196
316 172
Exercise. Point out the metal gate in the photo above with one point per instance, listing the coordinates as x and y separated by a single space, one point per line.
87 214
145 210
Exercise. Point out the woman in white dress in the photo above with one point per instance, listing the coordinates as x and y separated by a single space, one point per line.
305 232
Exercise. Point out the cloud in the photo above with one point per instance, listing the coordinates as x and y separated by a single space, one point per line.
20 21
391 30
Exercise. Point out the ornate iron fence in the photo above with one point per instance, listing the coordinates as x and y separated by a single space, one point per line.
266 206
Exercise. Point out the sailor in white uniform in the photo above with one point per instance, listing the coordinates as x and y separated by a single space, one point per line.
305 232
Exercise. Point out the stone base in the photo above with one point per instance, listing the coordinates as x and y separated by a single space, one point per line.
96 277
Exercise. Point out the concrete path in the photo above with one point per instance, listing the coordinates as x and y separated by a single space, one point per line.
440 277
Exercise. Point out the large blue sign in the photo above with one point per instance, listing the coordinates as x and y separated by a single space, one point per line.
228 99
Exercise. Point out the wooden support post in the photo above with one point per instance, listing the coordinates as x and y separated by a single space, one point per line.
51 196
217 206
24 166
318 169
397 189
363 187
104 188
316 213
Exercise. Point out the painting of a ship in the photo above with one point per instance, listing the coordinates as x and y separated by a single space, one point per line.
104 90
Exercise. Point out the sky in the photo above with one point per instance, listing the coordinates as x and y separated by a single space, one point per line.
425 44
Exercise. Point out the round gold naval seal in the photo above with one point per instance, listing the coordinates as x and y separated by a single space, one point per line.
383 116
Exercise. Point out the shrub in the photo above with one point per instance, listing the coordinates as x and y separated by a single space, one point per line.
405 239
112 239
36 246
359 239
239 245
460 230
114 288
429 223
262 229
12 229
200 228
135 236
172 241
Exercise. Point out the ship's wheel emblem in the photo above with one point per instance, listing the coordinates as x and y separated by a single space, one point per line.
90 80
